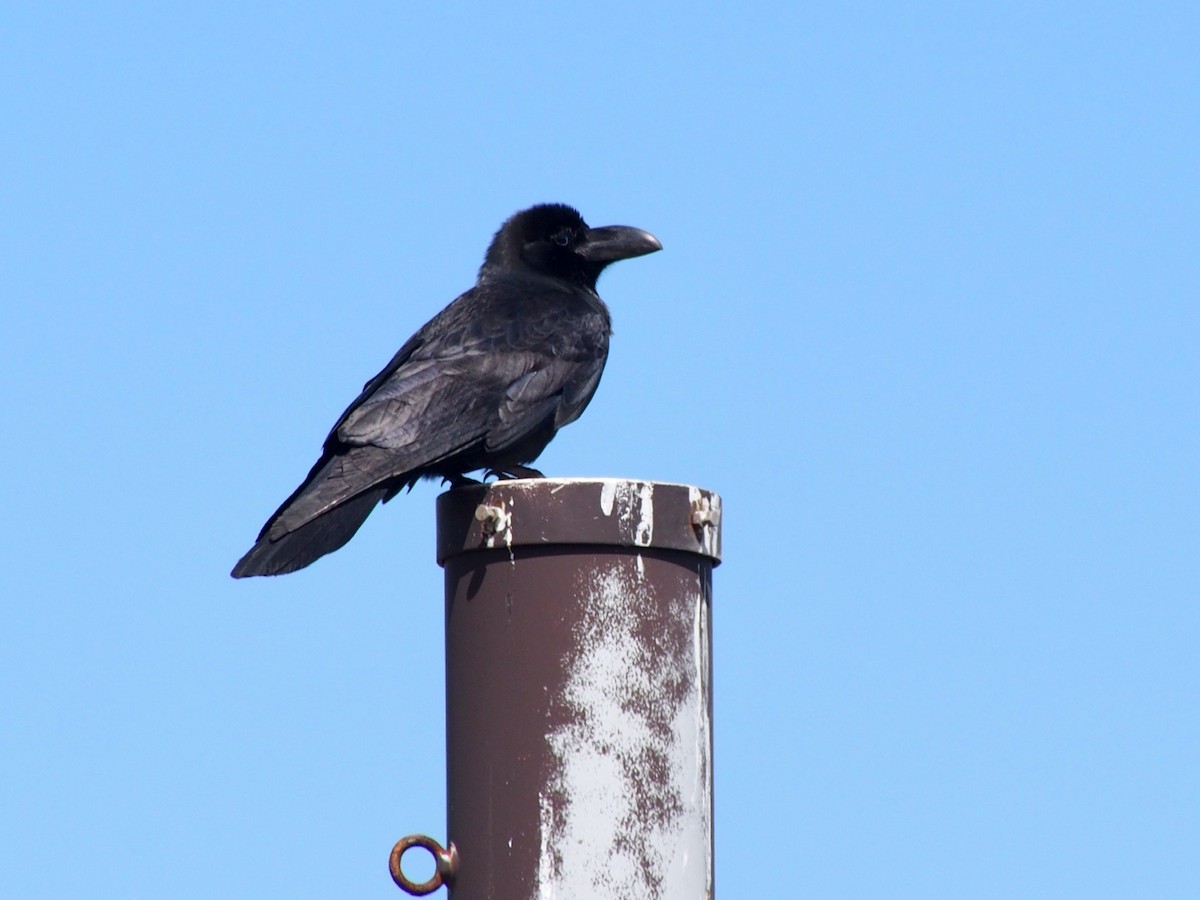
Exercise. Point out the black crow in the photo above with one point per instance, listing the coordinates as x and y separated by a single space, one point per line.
484 385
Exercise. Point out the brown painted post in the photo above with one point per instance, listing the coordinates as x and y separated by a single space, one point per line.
578 689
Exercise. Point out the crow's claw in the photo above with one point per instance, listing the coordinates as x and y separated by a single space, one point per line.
457 481
510 472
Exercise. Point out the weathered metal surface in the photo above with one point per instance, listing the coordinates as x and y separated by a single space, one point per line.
578 676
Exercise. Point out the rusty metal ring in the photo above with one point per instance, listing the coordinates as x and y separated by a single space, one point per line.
445 860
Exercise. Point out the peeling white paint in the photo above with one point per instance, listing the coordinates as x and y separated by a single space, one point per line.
608 493
508 534
633 502
626 813
644 533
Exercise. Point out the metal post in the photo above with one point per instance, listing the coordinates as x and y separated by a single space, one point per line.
578 690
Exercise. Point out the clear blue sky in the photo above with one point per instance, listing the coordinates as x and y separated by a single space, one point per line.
927 317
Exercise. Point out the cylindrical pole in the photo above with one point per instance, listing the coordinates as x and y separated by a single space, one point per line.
578 688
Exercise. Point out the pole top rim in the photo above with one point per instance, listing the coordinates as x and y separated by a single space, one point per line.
614 512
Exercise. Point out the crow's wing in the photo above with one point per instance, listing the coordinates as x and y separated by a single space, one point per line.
450 395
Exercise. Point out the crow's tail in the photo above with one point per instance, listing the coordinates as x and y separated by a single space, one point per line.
312 540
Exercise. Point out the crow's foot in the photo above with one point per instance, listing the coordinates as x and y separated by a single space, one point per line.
510 472
457 481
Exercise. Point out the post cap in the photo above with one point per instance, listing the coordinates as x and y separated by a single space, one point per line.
616 512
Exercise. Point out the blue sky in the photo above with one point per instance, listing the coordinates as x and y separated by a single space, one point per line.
926 316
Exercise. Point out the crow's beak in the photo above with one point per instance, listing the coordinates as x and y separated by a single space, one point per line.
613 242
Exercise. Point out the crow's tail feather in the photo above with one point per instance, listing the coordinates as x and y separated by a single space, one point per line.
312 540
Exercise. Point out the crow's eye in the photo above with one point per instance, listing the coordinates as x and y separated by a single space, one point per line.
562 238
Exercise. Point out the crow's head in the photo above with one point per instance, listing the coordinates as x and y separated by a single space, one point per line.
552 239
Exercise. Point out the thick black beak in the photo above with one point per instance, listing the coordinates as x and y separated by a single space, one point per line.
613 242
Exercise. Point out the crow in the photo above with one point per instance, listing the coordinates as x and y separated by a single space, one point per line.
484 385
